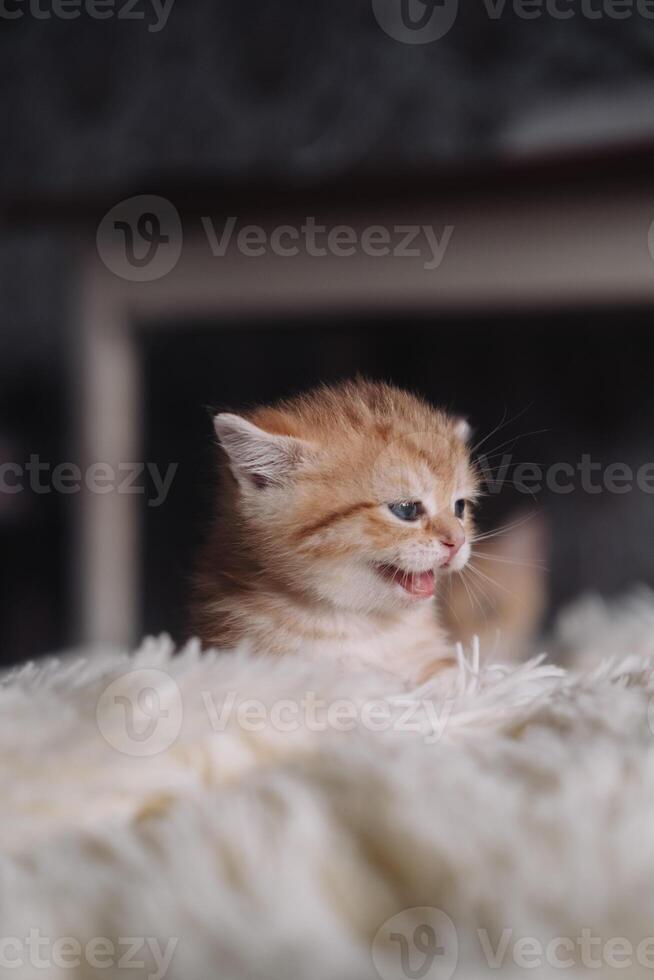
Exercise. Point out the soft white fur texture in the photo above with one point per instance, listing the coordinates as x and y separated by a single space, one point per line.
272 854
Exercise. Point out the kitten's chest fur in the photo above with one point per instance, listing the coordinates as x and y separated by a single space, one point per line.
407 643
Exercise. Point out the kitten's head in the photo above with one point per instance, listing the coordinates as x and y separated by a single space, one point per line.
359 495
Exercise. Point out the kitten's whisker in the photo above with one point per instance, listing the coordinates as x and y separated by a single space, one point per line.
509 561
484 494
532 493
532 462
483 591
521 435
465 586
448 603
487 457
491 433
498 485
491 580
474 595
490 477
501 425
501 530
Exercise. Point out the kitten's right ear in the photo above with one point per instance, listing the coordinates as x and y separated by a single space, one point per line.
258 458
463 429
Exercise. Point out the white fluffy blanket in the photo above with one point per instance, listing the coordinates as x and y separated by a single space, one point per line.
213 816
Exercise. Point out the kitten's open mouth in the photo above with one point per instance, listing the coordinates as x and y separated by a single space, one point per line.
418 584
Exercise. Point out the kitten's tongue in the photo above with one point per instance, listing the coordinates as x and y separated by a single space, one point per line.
420 584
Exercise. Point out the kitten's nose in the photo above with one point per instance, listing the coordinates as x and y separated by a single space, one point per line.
453 541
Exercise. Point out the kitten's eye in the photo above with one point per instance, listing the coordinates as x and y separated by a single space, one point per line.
459 508
407 510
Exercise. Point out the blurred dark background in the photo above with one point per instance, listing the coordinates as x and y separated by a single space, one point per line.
270 110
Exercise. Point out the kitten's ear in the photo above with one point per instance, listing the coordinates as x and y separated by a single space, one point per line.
258 458
462 429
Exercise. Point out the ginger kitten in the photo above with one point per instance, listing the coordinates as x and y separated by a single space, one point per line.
338 514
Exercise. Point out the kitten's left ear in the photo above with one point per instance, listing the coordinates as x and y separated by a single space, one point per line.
462 429
256 457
